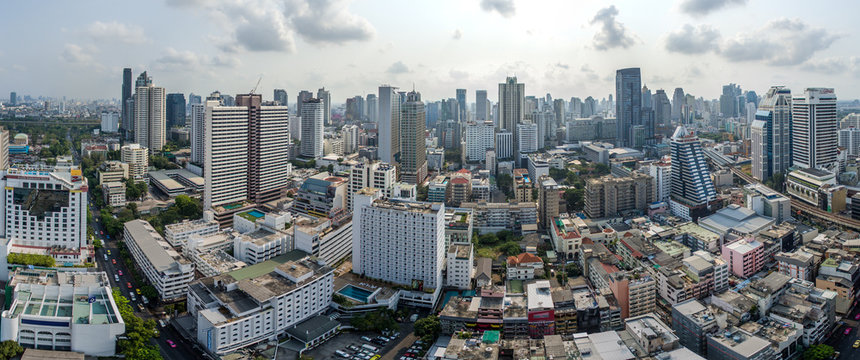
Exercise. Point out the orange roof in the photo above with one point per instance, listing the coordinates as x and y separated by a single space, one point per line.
524 258
464 171
459 180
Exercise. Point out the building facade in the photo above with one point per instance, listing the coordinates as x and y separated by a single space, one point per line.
813 129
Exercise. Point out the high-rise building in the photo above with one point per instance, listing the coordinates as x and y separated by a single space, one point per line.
110 121
628 105
149 114
13 98
850 140
4 149
280 96
413 155
770 134
729 100
692 187
312 129
479 138
388 126
325 98
589 107
137 158
527 137
504 145
175 110
400 242
268 144
813 129
609 196
548 199
662 173
127 103
646 97
198 133
482 110
377 175
303 96
678 102
511 106
349 134
461 103
372 107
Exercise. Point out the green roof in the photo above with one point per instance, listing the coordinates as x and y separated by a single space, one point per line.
267 266
490 337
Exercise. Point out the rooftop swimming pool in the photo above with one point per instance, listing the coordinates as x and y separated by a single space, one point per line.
355 293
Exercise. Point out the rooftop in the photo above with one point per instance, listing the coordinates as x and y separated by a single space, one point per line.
741 342
154 247
461 250
539 295
734 217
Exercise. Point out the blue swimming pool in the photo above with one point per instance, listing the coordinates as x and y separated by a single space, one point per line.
256 213
356 293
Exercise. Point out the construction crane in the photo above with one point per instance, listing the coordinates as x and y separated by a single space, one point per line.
258 84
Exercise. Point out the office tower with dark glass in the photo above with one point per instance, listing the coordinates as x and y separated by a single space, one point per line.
280 96
413 153
461 102
678 102
303 96
813 129
482 106
511 107
388 126
175 110
628 104
325 98
692 187
127 103
770 134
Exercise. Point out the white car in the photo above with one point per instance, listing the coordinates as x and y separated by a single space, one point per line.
116 277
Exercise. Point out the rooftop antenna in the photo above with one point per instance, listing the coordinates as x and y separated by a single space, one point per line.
258 84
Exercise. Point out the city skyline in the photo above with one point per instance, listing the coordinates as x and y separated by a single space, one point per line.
352 47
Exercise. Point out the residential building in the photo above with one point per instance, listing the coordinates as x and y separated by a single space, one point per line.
608 196
479 138
388 124
745 257
548 199
458 226
325 99
349 134
400 242
163 267
504 144
110 121
813 129
523 266
840 276
692 187
461 187
62 311
312 128
798 264
635 292
482 106
771 134
661 172
527 138
439 190
413 148
177 235
242 308
517 217
114 193
651 333
693 322
523 186
541 309
113 170
511 111
736 344
850 140
459 268
149 114
198 133
323 238
377 175
137 158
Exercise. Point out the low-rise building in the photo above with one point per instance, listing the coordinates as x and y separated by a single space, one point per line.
797 264
745 257
517 217
736 219
523 266
164 268
114 193
177 234
64 311
651 333
322 237
693 322
113 170
736 344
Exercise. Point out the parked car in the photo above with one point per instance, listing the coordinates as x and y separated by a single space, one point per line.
171 343
119 272
847 331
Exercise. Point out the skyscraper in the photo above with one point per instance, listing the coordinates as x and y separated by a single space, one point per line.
198 133
678 102
127 103
372 107
589 107
461 101
511 106
628 106
13 98
175 110
729 100
850 139
303 96
662 112
813 129
413 166
312 129
388 114
268 144
482 110
325 97
527 135
770 133
692 188
149 114
280 95
646 97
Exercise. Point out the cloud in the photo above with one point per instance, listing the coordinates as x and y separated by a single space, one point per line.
173 60
116 32
781 42
833 66
398 68
75 54
563 66
693 40
705 7
590 75
612 34
505 8
457 34
329 21
458 74
264 30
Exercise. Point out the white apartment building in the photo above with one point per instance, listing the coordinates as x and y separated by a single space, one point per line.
349 134
150 117
504 145
177 235
322 238
113 171
813 128
312 129
62 311
377 175
114 193
165 269
261 245
46 210
198 133
459 266
226 154
850 139
233 310
400 242
110 121
527 138
479 138
662 173
137 158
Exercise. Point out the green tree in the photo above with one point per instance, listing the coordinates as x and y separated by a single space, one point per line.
819 352
422 193
132 192
574 199
510 248
10 349
188 207
429 325
149 291
557 174
505 183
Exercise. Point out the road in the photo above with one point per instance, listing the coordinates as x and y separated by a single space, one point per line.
844 343
183 349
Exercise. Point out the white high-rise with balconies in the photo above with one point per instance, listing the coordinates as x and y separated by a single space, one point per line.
312 129
349 134
850 139
198 133
150 115
226 154
813 129
137 158
527 137
377 175
479 137
388 113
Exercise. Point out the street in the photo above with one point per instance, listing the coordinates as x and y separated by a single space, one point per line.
844 343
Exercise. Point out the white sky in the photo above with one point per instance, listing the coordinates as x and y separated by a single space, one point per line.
567 48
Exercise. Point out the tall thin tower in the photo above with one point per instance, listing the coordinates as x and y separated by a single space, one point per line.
511 106
127 103
771 134
413 167
628 105
813 129
388 114
149 114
